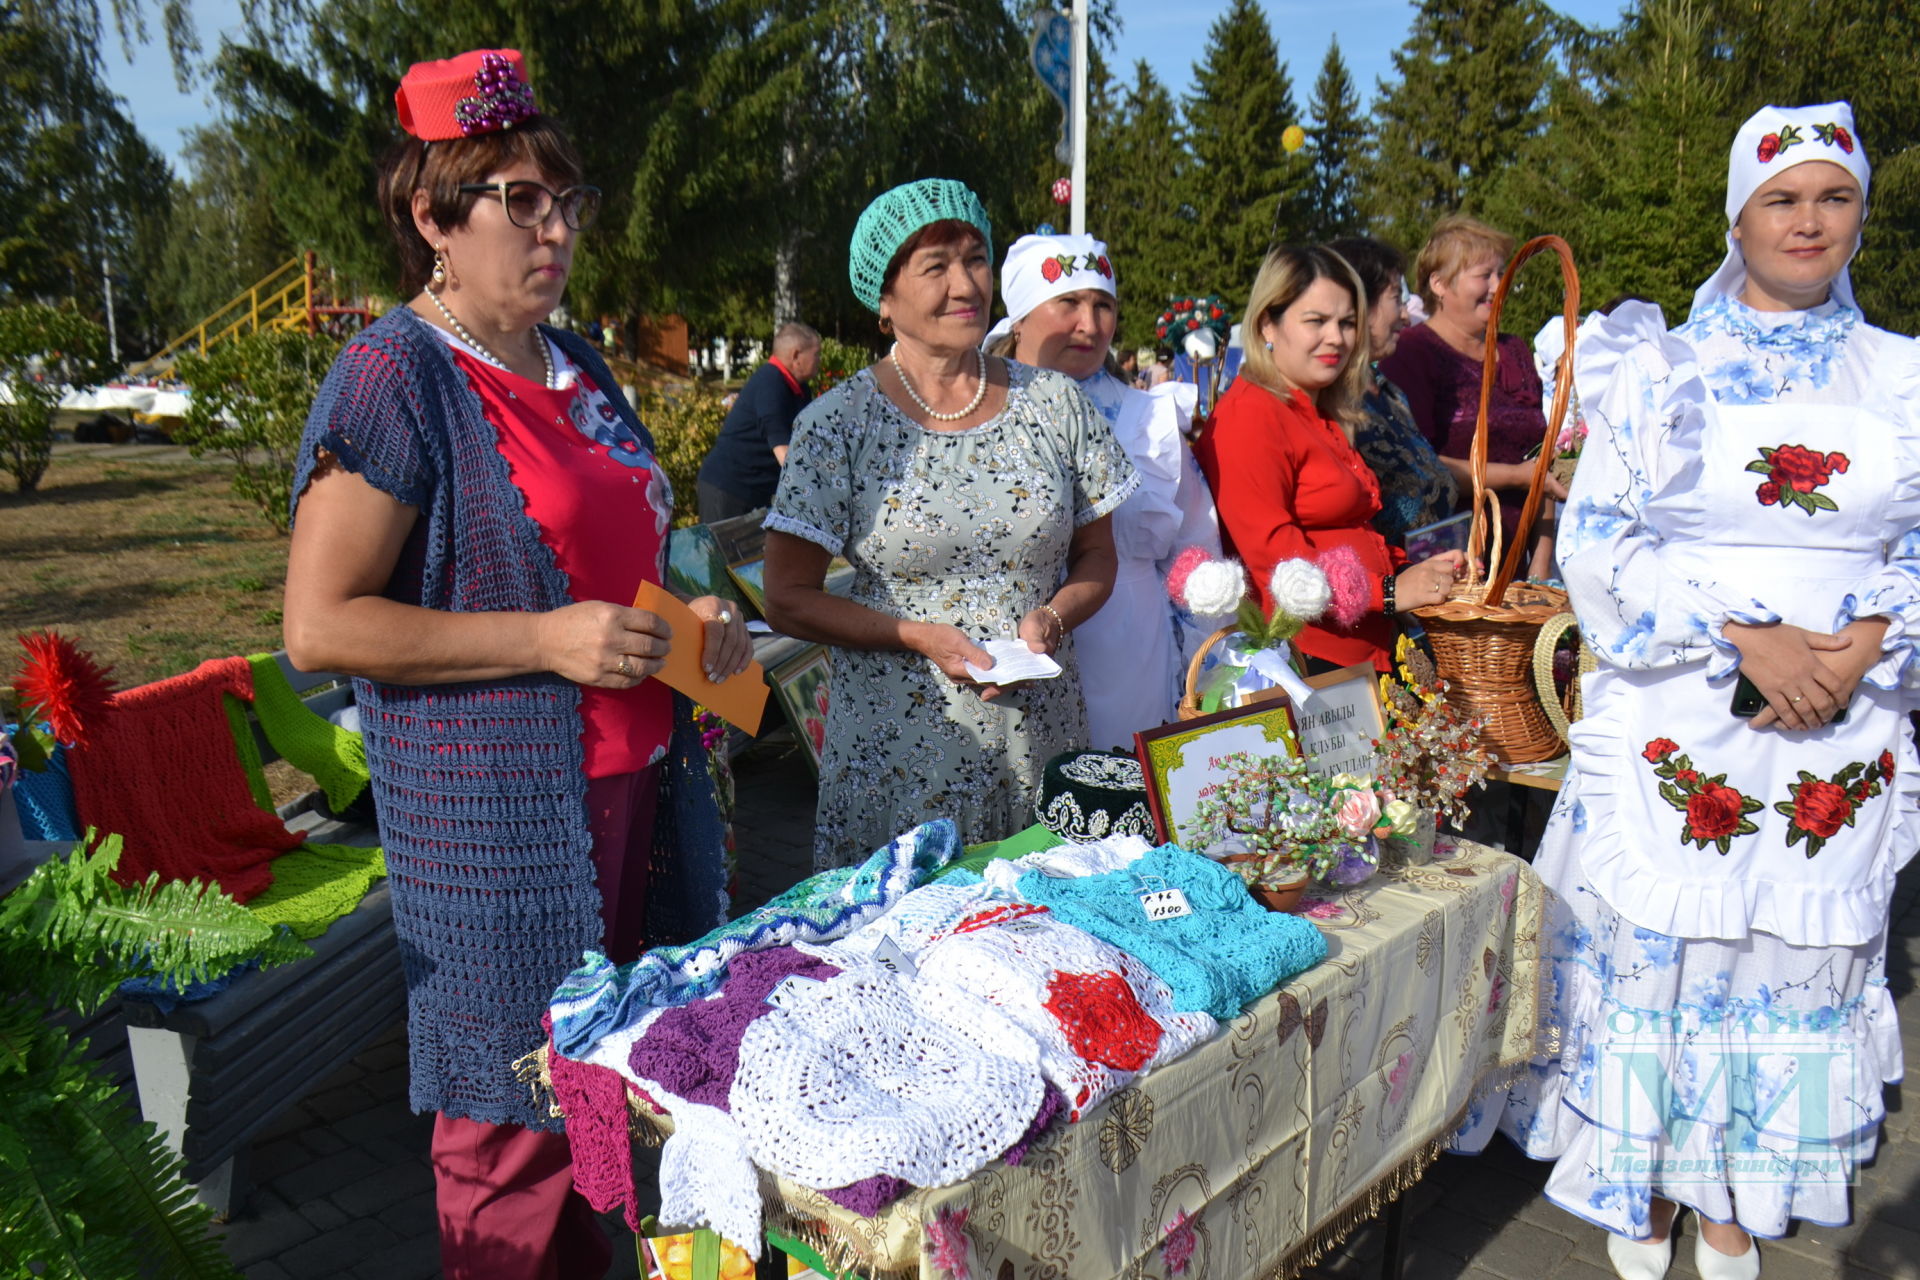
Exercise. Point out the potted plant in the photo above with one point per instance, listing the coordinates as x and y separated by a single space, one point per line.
1280 825
1428 758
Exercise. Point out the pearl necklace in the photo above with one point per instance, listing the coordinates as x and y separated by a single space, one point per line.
460 331
979 392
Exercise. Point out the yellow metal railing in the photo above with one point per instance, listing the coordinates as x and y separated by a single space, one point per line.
282 300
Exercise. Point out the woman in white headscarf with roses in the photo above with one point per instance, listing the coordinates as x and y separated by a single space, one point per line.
1062 306
1740 545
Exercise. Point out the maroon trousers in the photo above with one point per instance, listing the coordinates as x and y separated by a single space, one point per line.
507 1207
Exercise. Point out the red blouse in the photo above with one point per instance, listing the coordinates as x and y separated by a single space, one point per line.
603 505
1288 484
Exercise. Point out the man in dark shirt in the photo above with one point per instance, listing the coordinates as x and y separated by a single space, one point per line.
743 468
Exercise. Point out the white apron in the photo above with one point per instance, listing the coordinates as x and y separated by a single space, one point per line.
1697 825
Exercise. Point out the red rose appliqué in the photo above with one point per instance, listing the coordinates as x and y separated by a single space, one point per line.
1821 808
1659 749
1769 147
1714 812
1793 474
1050 270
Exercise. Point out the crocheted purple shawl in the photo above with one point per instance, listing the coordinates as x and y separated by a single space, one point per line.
481 787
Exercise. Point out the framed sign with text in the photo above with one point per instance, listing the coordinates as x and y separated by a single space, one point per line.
1181 762
1338 724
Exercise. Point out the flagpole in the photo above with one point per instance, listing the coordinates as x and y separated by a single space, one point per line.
1079 213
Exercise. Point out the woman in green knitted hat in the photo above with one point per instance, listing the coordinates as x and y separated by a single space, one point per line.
971 496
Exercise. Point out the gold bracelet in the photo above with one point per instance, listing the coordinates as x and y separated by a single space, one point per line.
1056 617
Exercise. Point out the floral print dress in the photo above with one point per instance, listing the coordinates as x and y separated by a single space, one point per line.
1721 895
969 528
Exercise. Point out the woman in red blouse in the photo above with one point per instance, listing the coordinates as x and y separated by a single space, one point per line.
1279 452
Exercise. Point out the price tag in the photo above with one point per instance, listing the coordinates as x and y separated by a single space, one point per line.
889 957
1023 926
1165 904
790 988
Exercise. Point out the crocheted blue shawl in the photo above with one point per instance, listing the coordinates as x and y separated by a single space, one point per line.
481 787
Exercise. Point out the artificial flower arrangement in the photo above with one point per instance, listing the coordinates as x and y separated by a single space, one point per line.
1335 586
61 691
1567 446
1200 311
1430 754
1280 823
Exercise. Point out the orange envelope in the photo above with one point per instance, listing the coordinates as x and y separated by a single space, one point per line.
739 699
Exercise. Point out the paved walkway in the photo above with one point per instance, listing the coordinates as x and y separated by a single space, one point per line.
343 1187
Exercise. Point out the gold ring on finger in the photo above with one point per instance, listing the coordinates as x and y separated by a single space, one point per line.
625 668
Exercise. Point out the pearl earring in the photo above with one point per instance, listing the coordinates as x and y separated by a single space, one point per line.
440 267
1269 346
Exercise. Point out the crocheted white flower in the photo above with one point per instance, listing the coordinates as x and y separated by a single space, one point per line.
1216 587
1300 590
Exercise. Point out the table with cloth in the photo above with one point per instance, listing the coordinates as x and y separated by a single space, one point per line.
1255 1153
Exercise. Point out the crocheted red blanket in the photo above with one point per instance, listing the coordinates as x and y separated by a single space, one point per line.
162 771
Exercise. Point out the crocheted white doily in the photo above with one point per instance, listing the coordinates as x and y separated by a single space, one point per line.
1067 860
915 920
707 1179
867 1074
1012 965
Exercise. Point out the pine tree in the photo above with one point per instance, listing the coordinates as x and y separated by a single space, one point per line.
1249 193
1472 81
1339 138
1145 214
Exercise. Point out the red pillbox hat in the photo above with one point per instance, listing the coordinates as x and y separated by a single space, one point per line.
479 92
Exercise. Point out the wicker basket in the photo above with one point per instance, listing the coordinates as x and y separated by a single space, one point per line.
1563 710
1483 635
1189 708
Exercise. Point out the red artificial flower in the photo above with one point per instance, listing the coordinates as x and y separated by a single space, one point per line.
1217 313
1714 812
1886 765
1769 147
62 684
1659 749
1821 808
1845 140
1768 493
1801 468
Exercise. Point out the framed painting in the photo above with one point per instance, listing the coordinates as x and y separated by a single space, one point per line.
1338 724
1181 762
695 566
801 683
751 577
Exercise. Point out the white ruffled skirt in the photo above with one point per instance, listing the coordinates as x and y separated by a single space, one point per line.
1742 1078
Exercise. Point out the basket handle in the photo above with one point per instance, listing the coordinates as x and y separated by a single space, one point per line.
1200 655
1543 646
1562 394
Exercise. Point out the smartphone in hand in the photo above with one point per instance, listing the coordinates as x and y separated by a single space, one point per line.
1748 701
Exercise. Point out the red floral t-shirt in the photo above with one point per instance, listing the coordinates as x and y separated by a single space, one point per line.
603 506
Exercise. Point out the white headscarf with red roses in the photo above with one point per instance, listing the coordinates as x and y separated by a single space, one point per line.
1042 267
1773 139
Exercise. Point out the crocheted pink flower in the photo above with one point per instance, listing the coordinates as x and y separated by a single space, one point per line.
1324 911
1177 1249
1183 566
1352 587
947 1243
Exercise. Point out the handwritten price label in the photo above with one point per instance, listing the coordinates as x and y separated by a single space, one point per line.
1165 904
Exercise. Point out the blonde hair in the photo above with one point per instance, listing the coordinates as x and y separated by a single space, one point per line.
1288 272
1455 241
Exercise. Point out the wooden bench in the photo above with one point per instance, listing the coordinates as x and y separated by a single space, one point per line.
214 1073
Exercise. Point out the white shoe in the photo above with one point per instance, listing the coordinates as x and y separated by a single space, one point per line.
1642 1259
1715 1265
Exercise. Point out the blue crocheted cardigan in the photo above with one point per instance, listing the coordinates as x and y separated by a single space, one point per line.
481 787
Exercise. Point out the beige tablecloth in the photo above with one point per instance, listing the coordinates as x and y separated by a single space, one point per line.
1258 1151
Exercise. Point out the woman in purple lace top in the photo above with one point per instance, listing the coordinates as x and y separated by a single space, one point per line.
1438 365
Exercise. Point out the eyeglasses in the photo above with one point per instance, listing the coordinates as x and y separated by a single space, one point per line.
530 204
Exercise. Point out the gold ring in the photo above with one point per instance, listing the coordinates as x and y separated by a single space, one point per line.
1796 698
624 669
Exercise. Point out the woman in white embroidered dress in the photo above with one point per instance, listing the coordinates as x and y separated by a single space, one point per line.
1746 507
1062 305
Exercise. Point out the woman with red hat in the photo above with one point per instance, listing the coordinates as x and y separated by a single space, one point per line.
476 502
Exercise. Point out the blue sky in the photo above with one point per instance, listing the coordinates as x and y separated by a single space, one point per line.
1169 36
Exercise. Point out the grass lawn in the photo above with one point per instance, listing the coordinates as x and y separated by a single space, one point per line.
152 567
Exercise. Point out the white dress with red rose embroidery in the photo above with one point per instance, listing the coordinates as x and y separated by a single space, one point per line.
1720 894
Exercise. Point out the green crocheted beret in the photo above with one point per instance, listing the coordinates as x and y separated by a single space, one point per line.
891 220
